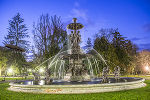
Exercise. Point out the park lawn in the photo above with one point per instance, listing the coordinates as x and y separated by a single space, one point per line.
135 94
15 78
142 76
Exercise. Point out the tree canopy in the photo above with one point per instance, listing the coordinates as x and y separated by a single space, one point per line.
49 36
17 32
116 49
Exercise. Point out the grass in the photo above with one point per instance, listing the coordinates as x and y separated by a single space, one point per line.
14 78
143 76
135 94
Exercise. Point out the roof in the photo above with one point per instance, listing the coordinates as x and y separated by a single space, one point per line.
15 47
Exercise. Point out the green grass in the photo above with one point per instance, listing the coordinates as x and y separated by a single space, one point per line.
14 78
143 76
135 94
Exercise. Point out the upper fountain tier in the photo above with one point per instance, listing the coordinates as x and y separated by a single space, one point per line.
75 26
75 37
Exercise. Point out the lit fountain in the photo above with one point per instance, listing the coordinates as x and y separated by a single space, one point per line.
76 70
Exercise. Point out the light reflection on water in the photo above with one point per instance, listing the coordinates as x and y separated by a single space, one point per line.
30 83
93 81
42 82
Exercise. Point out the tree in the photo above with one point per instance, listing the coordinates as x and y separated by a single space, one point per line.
3 61
104 47
126 52
143 59
17 32
49 36
119 43
116 49
89 43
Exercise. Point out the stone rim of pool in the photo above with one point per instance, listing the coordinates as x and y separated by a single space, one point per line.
77 89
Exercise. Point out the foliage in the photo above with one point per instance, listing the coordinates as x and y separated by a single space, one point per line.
3 61
103 45
17 35
116 49
15 60
17 32
143 59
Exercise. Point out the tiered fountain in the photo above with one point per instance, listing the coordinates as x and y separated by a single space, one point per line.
76 70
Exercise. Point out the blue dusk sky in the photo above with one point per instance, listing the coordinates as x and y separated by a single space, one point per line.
131 17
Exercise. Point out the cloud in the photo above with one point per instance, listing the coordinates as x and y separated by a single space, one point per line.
80 13
135 39
144 46
146 27
145 38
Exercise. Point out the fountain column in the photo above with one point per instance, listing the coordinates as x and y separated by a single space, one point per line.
75 59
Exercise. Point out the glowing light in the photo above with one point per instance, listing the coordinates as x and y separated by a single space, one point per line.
41 70
29 83
42 82
29 70
10 70
146 68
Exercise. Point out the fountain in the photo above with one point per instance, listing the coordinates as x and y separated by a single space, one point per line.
73 63
76 70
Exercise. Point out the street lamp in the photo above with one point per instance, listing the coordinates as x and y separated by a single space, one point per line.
10 70
41 70
30 70
146 68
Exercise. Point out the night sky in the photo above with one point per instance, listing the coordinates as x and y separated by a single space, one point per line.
131 17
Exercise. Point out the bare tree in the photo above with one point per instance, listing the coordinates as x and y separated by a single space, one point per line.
49 36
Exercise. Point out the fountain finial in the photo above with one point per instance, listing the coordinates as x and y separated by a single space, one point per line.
74 20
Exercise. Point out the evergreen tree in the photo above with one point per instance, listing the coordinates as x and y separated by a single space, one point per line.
17 32
106 49
89 43
116 49
126 52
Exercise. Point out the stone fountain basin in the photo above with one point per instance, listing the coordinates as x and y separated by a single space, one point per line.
78 88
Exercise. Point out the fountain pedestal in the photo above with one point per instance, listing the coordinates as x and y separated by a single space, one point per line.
76 57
